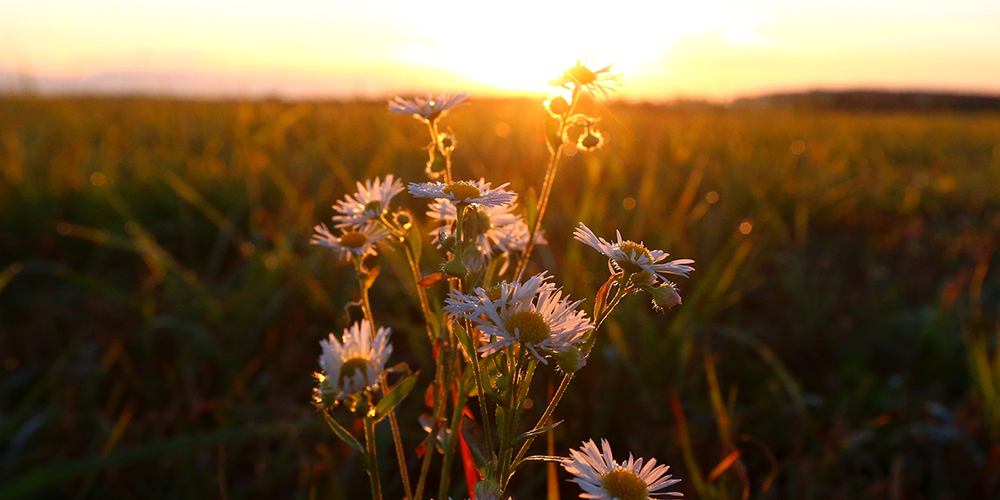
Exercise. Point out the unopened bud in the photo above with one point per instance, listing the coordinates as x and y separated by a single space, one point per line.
487 490
473 257
557 105
455 268
570 360
323 395
665 296
643 278
403 219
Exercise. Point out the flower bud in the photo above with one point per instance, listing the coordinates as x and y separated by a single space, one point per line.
473 257
487 490
557 105
643 278
455 268
570 360
324 395
403 219
665 296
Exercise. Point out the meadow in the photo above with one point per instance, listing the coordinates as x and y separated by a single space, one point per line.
161 307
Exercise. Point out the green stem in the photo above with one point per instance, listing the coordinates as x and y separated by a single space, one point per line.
397 437
588 345
550 175
449 449
477 371
372 459
425 467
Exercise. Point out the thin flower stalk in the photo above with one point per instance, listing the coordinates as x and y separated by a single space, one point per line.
372 459
550 174
397 438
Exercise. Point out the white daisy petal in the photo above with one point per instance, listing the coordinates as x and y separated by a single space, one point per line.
469 192
359 242
429 109
369 203
601 478
355 364
632 257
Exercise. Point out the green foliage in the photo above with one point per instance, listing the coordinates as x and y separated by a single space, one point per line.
161 300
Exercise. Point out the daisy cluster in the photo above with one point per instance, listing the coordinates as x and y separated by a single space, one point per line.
504 324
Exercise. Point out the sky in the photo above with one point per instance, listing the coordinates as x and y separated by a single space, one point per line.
714 50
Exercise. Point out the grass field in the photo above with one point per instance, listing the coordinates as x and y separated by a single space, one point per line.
160 306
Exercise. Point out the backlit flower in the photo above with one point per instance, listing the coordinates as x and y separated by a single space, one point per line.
463 192
355 364
601 478
580 76
507 294
359 242
429 109
370 202
544 325
494 229
634 258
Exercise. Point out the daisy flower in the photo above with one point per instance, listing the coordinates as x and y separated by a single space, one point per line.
355 365
429 109
463 192
494 229
358 242
632 257
544 325
511 294
581 76
370 202
601 478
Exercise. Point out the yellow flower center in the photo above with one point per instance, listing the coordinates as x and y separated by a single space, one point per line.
353 239
352 365
580 75
624 484
462 190
493 292
630 248
531 327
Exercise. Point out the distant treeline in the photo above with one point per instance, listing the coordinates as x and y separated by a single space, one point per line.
874 100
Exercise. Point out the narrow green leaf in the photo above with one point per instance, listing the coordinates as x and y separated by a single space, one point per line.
463 337
416 244
601 300
343 434
370 276
536 432
477 442
530 207
539 458
395 396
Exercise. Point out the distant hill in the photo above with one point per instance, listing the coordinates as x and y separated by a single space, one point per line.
874 100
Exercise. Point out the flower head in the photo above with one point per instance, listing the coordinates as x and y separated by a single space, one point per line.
509 294
463 192
492 228
359 242
370 202
429 109
634 258
580 76
601 478
354 365
544 324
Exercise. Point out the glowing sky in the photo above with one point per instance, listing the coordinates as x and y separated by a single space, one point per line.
666 49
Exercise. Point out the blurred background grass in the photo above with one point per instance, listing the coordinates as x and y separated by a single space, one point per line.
160 306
